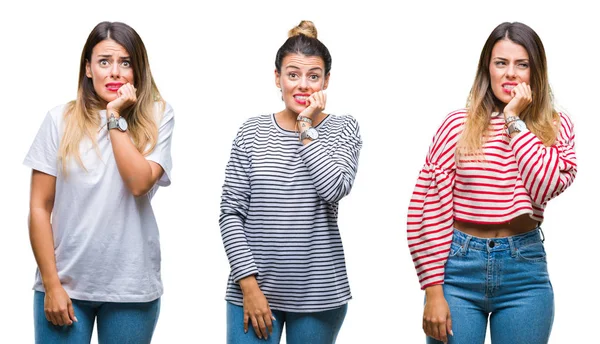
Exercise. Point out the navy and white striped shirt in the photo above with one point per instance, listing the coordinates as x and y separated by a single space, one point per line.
279 212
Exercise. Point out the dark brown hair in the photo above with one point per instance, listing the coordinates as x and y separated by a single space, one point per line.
303 40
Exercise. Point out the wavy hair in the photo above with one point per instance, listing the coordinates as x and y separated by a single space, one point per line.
540 116
81 114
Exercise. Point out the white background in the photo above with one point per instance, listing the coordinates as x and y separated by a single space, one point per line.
397 69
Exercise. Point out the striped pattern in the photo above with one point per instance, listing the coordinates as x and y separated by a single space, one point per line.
279 212
518 176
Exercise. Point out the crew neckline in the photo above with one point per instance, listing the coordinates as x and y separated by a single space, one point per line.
289 132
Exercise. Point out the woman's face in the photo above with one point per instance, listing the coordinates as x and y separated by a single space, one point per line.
509 66
109 68
300 77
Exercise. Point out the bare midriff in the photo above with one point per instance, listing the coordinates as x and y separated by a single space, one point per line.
519 225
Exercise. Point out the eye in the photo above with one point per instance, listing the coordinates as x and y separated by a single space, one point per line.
126 64
523 65
103 62
500 63
314 77
292 75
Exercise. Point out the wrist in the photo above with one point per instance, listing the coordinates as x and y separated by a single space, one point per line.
51 283
434 291
113 112
248 284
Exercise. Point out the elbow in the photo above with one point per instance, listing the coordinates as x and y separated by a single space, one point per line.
139 191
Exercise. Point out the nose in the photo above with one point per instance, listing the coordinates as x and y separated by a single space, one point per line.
303 83
511 71
115 72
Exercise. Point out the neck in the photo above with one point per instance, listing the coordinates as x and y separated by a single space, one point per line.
286 119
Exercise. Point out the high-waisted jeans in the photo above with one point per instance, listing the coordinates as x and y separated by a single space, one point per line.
503 278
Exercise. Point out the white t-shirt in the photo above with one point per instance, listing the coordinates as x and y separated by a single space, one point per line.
106 241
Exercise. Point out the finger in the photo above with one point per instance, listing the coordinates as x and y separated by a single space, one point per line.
50 317
269 323
441 328
64 317
246 317
72 311
255 326
428 329
263 326
449 325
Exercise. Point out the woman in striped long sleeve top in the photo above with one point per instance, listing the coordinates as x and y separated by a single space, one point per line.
285 177
474 218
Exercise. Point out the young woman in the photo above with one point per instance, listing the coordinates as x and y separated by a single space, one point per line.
474 217
97 161
285 177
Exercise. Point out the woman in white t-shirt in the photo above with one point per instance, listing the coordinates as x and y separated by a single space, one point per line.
97 161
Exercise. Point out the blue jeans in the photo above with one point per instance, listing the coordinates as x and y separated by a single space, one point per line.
504 277
301 328
122 323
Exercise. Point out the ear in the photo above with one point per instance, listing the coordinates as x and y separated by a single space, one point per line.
277 79
88 69
326 83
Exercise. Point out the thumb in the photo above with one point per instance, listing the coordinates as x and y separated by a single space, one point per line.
72 311
449 324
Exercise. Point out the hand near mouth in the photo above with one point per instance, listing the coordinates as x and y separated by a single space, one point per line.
125 98
316 104
522 97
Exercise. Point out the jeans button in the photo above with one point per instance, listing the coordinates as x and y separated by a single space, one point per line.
492 244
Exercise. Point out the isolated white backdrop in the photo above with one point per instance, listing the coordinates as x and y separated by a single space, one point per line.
399 69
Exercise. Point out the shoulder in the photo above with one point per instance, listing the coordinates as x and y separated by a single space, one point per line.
566 127
449 131
251 125
163 111
56 115
453 119
566 122
343 122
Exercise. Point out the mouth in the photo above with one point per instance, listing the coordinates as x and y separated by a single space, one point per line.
301 98
507 87
113 86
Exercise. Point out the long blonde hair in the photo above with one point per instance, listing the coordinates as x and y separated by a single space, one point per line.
81 115
540 116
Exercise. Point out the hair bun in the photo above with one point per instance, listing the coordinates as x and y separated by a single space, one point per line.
306 28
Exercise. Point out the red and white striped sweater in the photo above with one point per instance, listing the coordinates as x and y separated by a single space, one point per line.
518 176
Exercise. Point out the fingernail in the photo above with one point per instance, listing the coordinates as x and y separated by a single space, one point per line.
451 333
75 318
245 331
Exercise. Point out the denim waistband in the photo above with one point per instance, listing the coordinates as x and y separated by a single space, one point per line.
497 244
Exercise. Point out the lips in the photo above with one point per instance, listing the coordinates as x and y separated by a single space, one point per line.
301 98
113 86
507 87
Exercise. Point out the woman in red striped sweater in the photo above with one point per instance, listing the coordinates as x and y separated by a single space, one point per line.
474 218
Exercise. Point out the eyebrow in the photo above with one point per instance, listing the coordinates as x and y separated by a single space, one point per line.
505 59
121 57
314 68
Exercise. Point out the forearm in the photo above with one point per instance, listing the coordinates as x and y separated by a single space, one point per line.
133 167
42 244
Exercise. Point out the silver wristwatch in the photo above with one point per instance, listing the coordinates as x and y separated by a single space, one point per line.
311 134
118 123
516 127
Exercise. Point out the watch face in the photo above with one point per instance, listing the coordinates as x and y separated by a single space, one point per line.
122 124
520 126
312 133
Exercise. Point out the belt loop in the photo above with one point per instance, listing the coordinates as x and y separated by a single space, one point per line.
542 233
465 247
513 249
